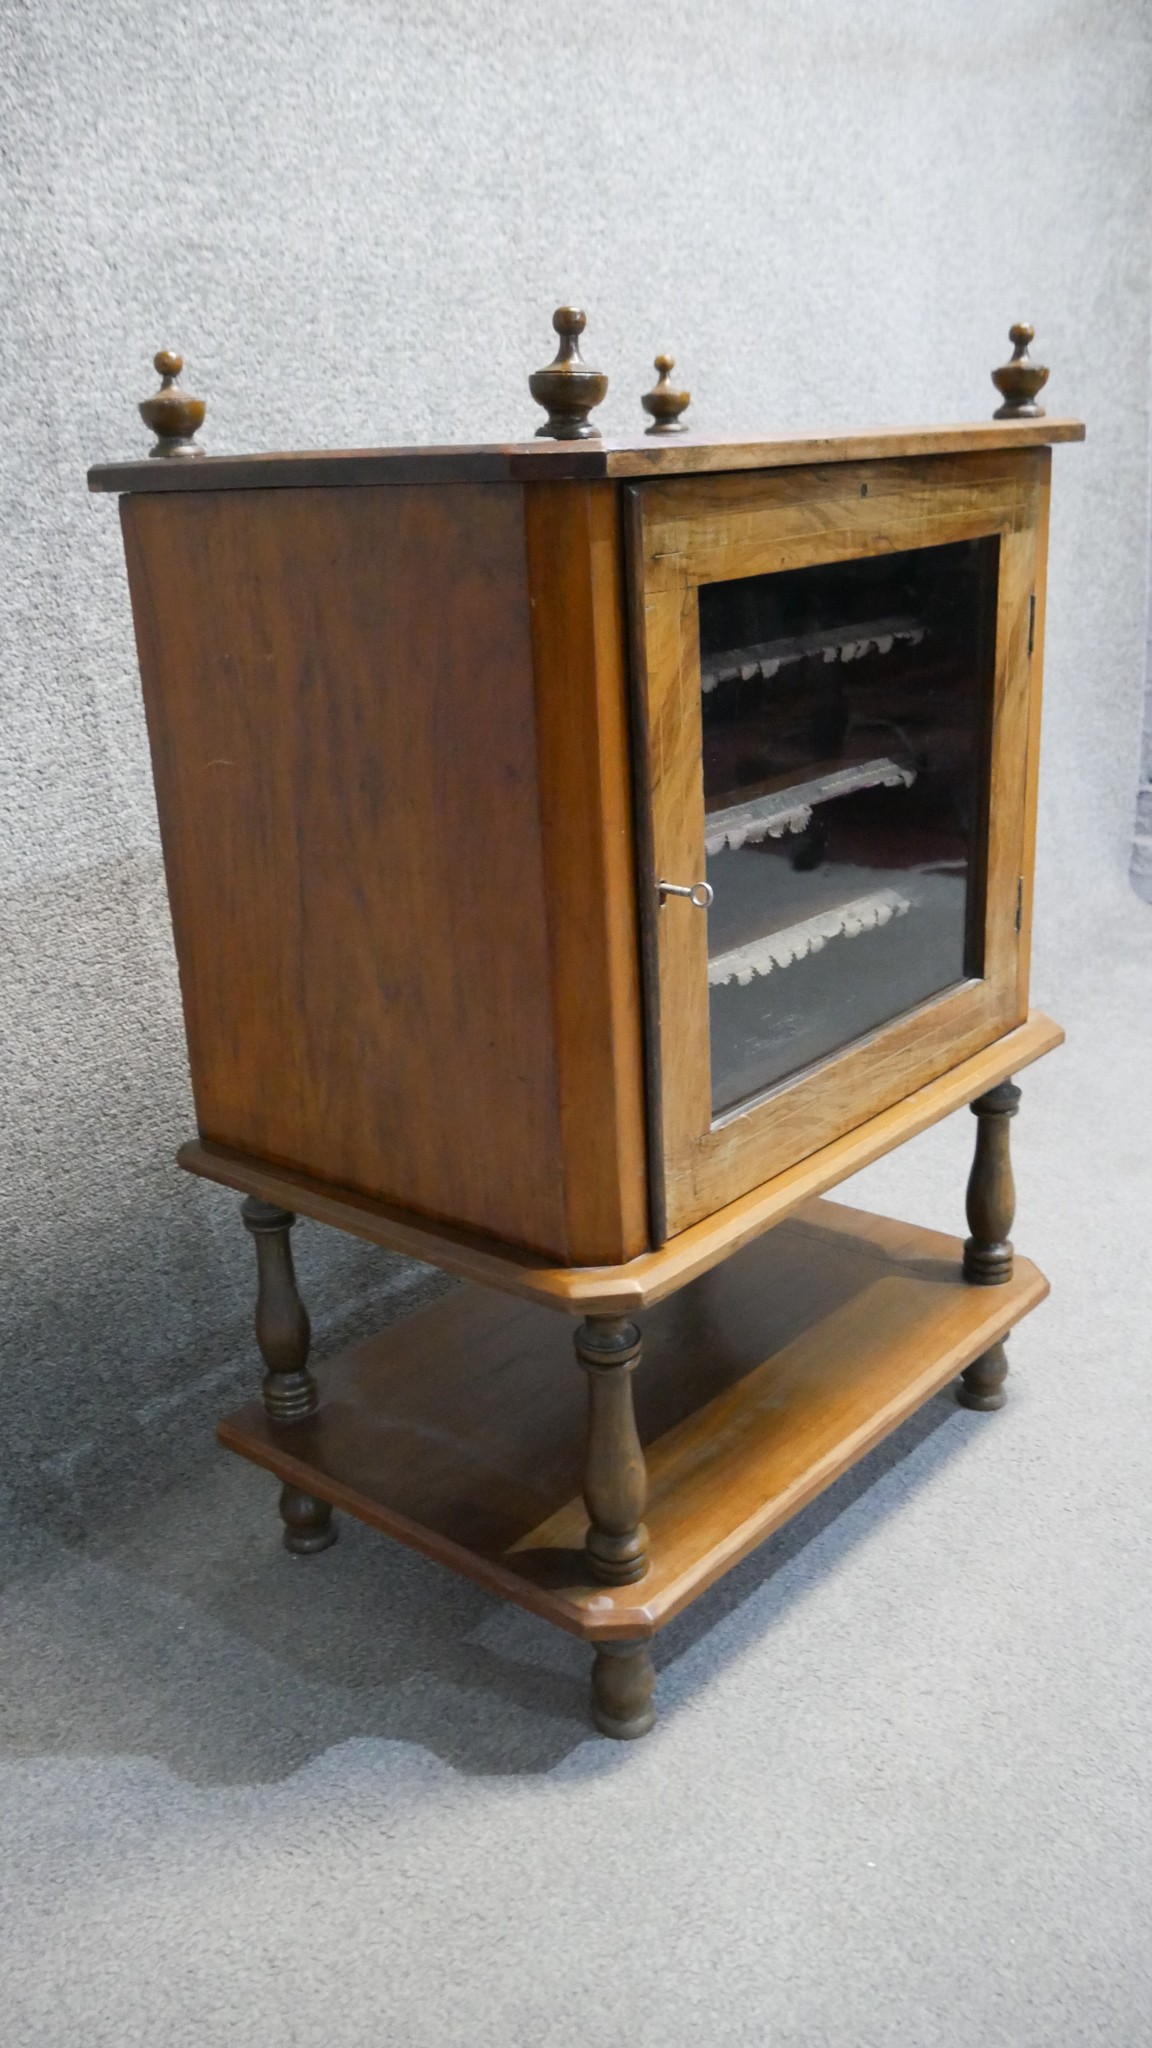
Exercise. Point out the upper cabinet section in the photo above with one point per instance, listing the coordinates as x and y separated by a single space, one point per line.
567 836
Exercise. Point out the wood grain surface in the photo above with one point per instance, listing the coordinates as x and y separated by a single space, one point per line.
527 461
461 1430
687 532
620 1290
340 697
390 745
585 771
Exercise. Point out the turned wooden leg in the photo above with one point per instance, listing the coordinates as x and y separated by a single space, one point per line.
982 1383
615 1479
991 1202
282 1328
623 1676
308 1524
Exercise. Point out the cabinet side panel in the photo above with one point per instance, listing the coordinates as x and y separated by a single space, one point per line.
1042 473
575 567
338 686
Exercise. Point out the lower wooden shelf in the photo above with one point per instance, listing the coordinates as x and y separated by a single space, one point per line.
460 1430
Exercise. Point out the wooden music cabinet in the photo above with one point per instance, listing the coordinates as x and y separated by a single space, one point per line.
581 858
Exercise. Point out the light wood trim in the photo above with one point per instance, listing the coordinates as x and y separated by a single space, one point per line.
619 1290
718 526
552 461
340 691
691 533
581 685
691 456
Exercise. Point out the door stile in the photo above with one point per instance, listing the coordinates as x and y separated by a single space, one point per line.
632 525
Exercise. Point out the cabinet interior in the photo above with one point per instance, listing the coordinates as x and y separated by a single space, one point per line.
845 712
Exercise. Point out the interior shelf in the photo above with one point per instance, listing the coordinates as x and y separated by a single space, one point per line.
460 1430
779 811
795 941
765 658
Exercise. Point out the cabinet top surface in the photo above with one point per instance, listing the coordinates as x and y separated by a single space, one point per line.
571 461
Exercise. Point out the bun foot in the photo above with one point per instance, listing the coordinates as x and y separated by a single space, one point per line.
308 1524
982 1383
623 1677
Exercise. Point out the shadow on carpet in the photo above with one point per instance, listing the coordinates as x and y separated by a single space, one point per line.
186 1632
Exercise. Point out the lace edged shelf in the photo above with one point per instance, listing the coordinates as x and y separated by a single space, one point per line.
795 941
765 658
790 810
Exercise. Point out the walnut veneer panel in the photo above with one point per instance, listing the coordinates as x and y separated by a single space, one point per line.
578 637
340 696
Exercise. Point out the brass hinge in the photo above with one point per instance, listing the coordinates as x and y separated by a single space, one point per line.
1019 901
1031 622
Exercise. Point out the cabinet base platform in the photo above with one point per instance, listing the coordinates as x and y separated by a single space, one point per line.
460 1430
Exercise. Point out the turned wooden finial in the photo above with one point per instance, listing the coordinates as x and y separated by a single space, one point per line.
1019 381
172 413
664 404
982 1383
568 389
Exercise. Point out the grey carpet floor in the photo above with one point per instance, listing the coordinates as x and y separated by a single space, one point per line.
898 1793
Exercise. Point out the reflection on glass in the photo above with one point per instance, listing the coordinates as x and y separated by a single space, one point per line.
845 715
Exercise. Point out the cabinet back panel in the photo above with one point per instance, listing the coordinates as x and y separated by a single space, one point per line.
339 691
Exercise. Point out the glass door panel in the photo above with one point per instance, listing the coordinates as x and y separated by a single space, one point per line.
835 719
845 712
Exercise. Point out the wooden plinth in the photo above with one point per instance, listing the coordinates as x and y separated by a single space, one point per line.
461 1429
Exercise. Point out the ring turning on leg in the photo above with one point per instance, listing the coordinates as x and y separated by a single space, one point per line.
282 1328
991 1201
615 1478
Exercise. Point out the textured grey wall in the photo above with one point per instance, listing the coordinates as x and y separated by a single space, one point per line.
355 221
1141 869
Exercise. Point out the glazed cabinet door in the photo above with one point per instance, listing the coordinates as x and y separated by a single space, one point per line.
836 716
